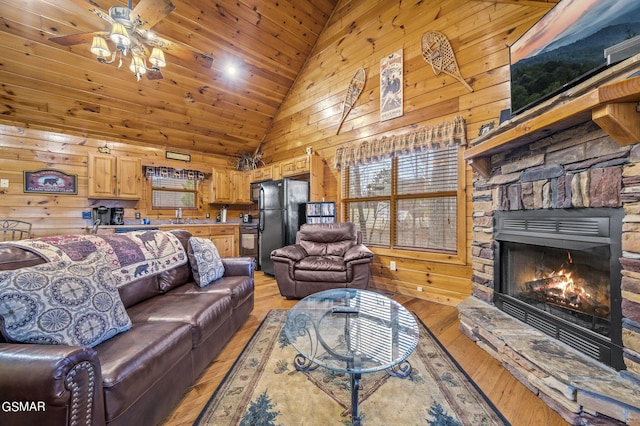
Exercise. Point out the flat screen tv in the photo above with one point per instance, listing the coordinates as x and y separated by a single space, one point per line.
567 46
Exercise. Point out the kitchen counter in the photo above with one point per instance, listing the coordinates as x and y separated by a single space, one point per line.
166 225
225 235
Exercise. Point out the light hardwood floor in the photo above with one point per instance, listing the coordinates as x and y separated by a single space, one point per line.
518 404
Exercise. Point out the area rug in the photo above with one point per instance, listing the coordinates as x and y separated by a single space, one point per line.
264 388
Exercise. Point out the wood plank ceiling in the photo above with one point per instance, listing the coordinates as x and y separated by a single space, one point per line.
46 85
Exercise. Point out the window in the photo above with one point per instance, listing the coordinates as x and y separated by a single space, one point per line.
410 201
171 193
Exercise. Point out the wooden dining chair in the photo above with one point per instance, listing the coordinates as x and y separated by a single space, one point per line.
12 230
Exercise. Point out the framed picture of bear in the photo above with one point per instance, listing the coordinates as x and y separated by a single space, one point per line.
49 181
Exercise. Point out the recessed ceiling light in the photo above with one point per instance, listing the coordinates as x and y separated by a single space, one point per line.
231 70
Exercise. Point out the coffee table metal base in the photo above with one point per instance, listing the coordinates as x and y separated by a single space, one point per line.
400 370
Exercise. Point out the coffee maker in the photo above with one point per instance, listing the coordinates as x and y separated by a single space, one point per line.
103 214
117 216
108 215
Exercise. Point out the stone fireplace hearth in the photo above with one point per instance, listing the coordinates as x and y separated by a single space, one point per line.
579 168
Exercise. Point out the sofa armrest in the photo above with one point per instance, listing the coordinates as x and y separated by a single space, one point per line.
293 253
358 252
61 383
238 266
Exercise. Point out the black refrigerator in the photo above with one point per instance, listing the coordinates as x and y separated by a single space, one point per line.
279 214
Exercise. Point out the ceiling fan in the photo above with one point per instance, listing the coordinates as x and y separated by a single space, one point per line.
129 32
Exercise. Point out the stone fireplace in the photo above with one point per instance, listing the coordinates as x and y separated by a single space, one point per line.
563 207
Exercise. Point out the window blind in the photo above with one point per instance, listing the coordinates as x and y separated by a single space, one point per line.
409 201
170 193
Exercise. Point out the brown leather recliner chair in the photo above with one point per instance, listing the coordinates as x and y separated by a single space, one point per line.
325 256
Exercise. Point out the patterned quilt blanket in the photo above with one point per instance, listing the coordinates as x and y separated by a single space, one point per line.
131 255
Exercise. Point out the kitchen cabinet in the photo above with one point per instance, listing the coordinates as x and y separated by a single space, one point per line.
303 167
224 237
221 186
234 186
295 166
225 244
309 166
262 173
241 187
230 187
113 177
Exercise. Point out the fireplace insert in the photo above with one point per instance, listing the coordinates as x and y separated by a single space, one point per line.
559 271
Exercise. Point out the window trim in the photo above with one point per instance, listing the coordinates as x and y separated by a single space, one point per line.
459 257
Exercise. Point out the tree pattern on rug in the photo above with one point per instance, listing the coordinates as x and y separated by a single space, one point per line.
260 412
440 418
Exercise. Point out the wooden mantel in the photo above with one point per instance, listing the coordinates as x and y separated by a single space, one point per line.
614 107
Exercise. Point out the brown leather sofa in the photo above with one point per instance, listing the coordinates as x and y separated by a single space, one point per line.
135 377
325 256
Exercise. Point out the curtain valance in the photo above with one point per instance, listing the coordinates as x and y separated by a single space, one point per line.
419 140
170 172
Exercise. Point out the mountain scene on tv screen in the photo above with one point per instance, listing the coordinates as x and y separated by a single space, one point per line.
569 59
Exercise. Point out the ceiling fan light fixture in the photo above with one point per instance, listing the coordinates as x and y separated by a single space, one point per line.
119 35
129 37
99 47
138 66
157 58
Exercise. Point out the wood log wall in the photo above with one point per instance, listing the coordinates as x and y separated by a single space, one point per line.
25 149
360 34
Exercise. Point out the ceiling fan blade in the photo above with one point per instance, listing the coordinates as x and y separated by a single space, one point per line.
91 6
154 75
73 39
84 4
151 12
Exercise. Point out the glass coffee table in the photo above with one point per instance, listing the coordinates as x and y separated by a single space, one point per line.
352 331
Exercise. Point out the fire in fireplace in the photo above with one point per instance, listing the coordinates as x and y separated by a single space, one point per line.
559 271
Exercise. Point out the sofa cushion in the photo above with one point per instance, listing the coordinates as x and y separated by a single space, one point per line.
314 248
141 289
323 239
321 269
240 288
204 312
339 277
338 248
322 263
328 232
205 261
134 361
64 303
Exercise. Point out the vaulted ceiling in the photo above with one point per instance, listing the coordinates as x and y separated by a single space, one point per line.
194 104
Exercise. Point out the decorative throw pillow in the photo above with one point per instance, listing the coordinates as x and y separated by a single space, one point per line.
63 303
205 261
